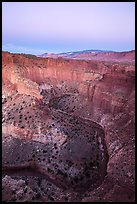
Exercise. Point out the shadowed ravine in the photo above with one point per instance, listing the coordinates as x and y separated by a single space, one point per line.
90 163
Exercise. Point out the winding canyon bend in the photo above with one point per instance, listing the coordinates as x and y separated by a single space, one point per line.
68 129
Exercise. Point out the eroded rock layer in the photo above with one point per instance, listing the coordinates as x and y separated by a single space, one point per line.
68 129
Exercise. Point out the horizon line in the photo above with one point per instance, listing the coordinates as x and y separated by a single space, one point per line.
16 52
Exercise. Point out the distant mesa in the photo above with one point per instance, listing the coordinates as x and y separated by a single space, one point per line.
102 55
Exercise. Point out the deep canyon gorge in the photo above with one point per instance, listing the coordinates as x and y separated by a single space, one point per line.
68 129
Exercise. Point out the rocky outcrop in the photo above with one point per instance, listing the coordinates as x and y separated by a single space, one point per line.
70 123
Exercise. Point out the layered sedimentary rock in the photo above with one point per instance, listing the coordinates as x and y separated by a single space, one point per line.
68 124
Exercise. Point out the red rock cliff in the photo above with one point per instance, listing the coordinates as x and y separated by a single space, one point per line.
110 82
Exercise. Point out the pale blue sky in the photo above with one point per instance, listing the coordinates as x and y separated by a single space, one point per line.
39 27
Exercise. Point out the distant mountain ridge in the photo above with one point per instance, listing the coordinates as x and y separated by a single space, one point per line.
72 53
101 55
